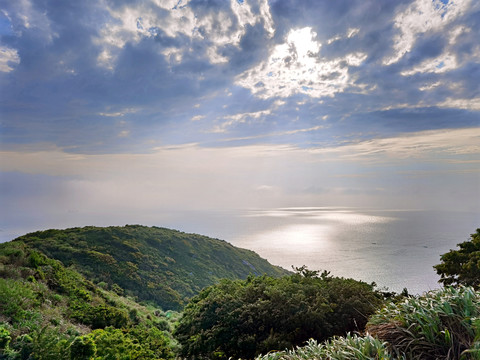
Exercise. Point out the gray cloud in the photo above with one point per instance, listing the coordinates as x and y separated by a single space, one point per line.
61 93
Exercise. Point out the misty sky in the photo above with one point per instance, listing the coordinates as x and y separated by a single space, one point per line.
113 111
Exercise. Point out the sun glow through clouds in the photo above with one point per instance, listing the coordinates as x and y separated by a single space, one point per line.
297 66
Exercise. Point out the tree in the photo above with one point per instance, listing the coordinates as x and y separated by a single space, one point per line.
462 266
241 319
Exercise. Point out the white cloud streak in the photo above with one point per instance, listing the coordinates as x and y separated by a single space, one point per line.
420 17
8 59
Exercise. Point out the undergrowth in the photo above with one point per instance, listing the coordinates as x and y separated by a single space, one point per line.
443 324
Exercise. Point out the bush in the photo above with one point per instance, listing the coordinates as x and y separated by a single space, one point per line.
98 317
17 300
46 344
5 337
138 343
82 348
351 347
443 324
246 318
462 266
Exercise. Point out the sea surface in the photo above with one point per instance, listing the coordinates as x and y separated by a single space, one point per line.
395 249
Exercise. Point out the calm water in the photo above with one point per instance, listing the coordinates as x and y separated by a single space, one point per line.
396 249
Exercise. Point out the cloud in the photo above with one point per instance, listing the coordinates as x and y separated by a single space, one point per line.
8 59
416 145
440 64
441 145
275 134
159 66
198 117
296 66
469 104
72 72
215 26
420 17
240 118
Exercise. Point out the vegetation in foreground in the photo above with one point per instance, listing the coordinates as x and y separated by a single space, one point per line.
244 318
50 312
462 266
443 324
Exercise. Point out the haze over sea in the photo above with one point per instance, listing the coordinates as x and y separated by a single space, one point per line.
393 248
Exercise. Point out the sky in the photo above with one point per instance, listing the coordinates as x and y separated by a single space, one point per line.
114 111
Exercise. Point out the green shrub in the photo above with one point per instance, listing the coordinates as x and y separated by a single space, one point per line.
35 259
17 299
138 343
21 348
50 344
5 337
351 347
246 318
462 266
83 348
98 317
442 324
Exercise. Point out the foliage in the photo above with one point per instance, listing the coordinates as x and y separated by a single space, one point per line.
98 317
350 347
137 343
159 265
83 348
5 337
462 266
47 311
259 314
443 324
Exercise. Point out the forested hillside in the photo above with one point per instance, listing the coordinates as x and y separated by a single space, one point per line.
50 312
160 265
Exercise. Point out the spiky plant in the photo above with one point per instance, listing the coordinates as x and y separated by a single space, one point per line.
439 325
350 347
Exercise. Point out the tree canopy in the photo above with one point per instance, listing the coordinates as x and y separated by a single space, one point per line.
462 266
243 318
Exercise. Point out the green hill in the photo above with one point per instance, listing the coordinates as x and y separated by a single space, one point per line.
160 265
48 311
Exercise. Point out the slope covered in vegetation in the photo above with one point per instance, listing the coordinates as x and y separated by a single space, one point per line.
50 312
163 266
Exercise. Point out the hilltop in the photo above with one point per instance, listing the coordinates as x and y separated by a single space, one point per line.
159 265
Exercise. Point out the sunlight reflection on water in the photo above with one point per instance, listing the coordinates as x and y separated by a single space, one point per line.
298 238
344 215
395 249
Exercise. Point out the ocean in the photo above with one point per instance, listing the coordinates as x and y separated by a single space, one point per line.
396 249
